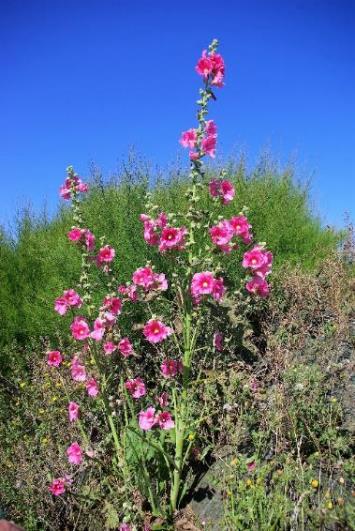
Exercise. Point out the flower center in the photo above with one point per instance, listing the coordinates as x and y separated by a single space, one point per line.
156 330
254 261
205 284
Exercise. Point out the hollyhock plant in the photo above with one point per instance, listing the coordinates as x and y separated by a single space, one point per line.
73 410
173 334
75 454
54 358
147 419
155 331
136 387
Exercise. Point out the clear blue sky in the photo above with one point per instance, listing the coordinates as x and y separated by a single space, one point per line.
82 81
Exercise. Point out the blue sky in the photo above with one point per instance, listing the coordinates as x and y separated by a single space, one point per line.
84 81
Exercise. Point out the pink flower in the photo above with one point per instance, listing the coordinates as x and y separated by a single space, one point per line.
109 347
258 260
125 527
163 399
125 347
144 277
75 234
89 240
202 283
74 454
204 65
218 341
130 291
251 466
165 420
169 368
211 67
99 329
194 155
57 487
210 128
188 139
240 226
77 370
71 183
208 145
113 305
73 410
79 328
72 298
54 358
106 255
206 284
223 189
61 306
136 387
258 286
218 289
172 238
92 387
146 419
221 235
155 331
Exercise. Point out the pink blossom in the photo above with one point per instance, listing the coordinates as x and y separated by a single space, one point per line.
125 527
169 368
73 410
106 255
147 419
206 284
172 238
194 155
218 289
144 277
92 387
189 138
204 65
77 370
163 399
208 145
251 466
258 260
61 306
165 420
72 298
99 329
155 331
202 283
54 358
80 328
211 66
75 234
89 240
136 387
218 341
130 291
221 235
223 189
74 454
109 347
57 487
71 183
240 226
227 192
151 227
113 305
258 286
125 347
